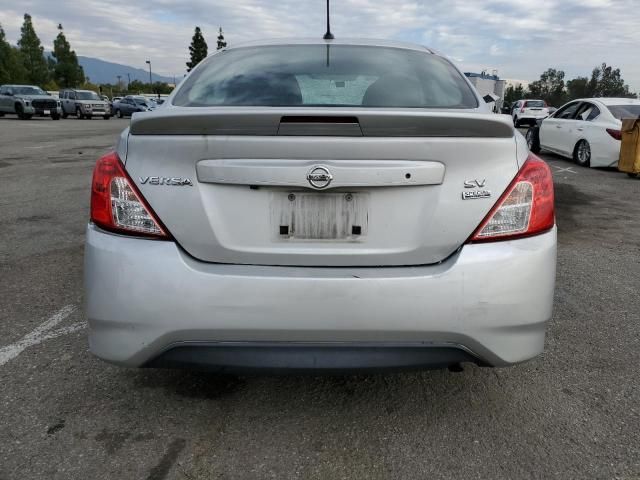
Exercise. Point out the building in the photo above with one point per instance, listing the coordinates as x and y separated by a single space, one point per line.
488 84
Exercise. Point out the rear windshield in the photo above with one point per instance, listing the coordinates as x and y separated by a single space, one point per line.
535 104
326 76
624 111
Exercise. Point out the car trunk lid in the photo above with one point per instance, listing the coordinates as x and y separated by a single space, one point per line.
361 187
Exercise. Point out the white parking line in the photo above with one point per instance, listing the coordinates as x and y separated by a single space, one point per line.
48 145
41 333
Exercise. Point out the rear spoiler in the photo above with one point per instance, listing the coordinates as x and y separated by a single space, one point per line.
272 121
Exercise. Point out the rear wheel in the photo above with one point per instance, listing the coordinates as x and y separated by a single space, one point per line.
118 113
582 153
533 139
21 114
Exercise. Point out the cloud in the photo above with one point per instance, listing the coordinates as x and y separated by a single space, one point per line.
520 38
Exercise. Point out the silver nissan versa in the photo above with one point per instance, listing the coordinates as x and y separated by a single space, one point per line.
320 205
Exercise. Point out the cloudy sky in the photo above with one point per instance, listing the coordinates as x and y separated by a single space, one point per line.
519 38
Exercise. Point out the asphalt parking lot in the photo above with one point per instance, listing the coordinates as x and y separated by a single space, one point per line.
572 413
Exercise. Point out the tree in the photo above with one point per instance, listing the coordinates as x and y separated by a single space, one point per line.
87 85
197 49
67 72
136 86
549 88
5 51
32 53
51 86
607 82
11 67
221 41
578 88
513 94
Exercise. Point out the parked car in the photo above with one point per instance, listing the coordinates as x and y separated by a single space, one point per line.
25 101
132 104
586 130
529 111
507 108
84 104
265 219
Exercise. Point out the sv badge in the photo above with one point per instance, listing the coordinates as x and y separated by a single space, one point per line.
475 183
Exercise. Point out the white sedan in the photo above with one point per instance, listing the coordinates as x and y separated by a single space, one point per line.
587 130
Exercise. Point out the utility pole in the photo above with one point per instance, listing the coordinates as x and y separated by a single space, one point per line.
150 81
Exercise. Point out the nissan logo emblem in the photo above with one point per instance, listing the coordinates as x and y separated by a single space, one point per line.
319 177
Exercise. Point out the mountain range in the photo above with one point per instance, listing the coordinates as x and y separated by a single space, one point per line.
101 71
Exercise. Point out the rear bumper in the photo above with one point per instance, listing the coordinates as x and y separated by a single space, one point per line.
276 357
149 303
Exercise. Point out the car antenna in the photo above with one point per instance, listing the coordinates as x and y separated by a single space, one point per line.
328 35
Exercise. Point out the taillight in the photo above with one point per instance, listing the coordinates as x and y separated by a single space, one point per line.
525 208
617 134
116 203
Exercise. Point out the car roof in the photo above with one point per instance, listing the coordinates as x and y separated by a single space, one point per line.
612 100
369 42
18 85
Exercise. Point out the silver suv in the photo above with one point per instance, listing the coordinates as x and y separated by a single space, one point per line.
27 101
84 104
320 205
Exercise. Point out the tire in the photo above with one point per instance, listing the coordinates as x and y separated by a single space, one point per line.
1 114
516 122
118 113
64 114
634 175
533 139
21 114
79 114
55 116
582 153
